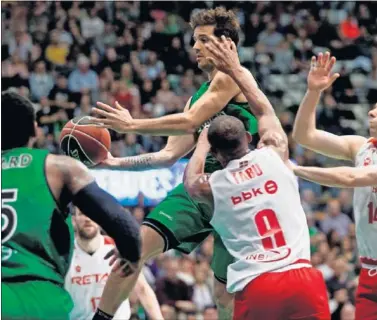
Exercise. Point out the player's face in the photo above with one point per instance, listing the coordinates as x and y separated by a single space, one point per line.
373 121
85 227
201 37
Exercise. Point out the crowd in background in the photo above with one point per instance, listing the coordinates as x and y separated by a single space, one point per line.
65 56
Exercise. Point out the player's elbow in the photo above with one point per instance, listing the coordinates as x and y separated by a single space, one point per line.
302 137
189 124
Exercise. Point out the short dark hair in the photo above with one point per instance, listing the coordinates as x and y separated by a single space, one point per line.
225 22
226 134
17 121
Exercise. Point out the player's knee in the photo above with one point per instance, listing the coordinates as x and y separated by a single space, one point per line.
222 297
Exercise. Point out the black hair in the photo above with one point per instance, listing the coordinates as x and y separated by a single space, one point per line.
226 134
17 121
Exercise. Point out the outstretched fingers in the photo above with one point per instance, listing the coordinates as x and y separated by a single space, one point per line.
331 64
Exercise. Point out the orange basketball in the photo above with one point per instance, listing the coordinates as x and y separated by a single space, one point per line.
84 141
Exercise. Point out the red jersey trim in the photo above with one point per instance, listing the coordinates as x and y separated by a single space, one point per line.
108 240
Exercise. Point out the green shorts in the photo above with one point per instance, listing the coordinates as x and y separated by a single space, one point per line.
34 300
184 225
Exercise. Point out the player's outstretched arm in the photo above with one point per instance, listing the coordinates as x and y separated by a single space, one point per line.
76 181
343 177
194 179
176 148
305 131
148 298
221 90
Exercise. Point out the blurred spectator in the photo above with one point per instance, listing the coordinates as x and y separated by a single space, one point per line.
336 220
61 97
202 295
83 79
269 39
40 82
172 291
56 51
349 28
85 106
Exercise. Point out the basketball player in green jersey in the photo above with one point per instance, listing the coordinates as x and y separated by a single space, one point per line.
36 232
178 222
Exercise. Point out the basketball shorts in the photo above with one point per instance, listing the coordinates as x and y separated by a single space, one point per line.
34 300
293 294
184 225
366 295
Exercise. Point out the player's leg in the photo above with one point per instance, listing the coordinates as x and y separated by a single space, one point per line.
220 261
118 288
175 223
366 296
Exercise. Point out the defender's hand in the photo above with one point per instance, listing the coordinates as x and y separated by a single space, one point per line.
319 77
121 266
203 139
224 52
117 118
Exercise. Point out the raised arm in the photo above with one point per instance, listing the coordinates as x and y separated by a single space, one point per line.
70 180
221 90
342 177
194 179
305 131
225 58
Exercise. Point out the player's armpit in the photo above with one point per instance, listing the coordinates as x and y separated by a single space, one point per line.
346 177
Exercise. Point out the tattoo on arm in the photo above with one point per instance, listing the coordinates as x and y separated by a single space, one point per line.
144 161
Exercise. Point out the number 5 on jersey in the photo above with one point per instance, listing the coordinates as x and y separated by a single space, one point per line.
8 214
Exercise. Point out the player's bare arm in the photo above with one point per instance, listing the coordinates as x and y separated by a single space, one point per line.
342 177
270 130
148 298
305 131
221 90
72 181
225 58
194 179
176 148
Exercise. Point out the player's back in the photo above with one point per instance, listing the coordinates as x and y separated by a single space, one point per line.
37 238
259 216
365 208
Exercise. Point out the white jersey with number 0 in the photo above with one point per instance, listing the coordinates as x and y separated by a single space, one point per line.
86 280
259 216
365 209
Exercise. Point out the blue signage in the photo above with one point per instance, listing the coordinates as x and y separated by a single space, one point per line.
133 187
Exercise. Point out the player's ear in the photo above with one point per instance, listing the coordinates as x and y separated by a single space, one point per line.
249 137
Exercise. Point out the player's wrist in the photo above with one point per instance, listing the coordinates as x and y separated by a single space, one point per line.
236 71
315 90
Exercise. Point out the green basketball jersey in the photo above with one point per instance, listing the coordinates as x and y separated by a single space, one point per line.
233 108
37 239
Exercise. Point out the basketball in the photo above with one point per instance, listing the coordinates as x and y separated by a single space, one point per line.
84 141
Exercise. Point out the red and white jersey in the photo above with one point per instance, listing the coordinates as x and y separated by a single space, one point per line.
365 209
258 215
86 280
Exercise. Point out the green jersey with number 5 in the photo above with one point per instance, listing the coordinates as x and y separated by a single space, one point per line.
36 238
